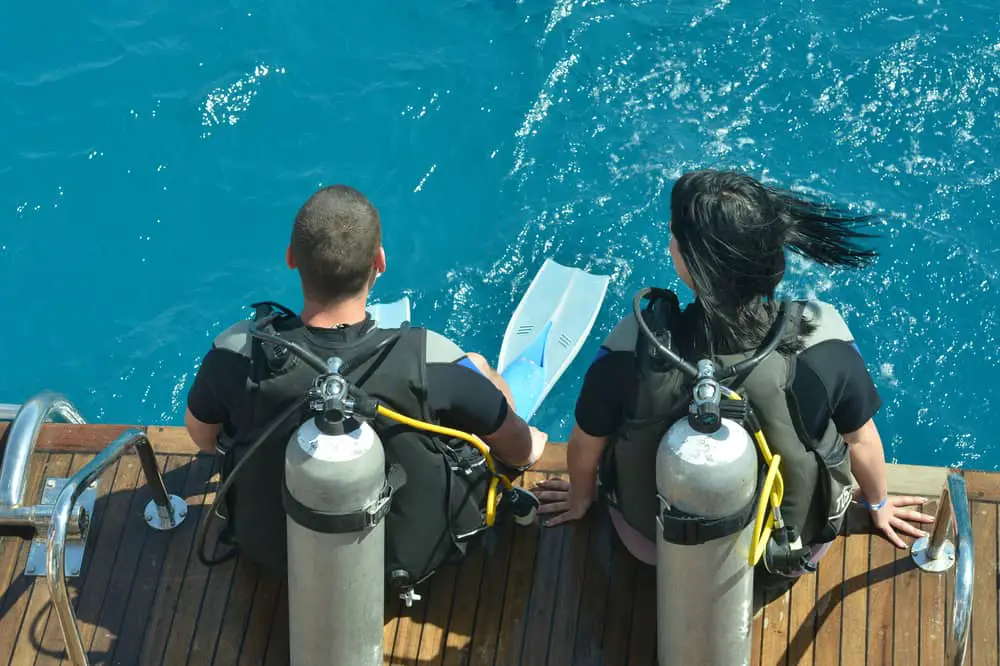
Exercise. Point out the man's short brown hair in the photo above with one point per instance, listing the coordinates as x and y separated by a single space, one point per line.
335 238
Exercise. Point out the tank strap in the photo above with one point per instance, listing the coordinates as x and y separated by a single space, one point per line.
342 523
689 530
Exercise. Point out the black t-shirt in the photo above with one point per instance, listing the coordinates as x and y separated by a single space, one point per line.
831 380
459 395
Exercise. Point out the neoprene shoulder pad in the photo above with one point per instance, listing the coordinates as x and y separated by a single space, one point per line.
830 325
236 338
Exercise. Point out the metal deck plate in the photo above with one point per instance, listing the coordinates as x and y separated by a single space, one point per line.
75 543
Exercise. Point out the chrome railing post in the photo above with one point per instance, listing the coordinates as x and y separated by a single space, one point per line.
172 508
936 553
21 440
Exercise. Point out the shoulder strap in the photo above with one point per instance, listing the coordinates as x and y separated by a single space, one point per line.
661 314
264 315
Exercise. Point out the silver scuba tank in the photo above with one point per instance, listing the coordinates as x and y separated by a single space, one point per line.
706 479
336 496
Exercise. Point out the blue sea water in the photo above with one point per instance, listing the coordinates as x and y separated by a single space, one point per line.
153 155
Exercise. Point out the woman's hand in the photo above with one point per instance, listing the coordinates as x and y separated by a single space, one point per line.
893 516
557 497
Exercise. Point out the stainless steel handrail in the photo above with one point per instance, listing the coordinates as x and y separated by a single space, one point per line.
21 441
170 508
8 411
961 617
936 554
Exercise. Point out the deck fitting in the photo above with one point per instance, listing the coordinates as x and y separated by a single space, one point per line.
76 544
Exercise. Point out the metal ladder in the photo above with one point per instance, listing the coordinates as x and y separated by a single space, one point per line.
67 504
937 554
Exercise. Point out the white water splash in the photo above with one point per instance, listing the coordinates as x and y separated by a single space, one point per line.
224 106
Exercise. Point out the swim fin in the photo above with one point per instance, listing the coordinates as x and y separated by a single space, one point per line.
547 330
391 315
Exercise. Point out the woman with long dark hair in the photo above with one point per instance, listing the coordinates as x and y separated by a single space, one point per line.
729 234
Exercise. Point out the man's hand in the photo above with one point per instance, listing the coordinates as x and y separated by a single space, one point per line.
893 516
557 497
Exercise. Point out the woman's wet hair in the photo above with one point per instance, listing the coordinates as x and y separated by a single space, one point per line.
732 232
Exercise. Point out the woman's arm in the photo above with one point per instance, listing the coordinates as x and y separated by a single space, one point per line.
868 467
868 461
571 500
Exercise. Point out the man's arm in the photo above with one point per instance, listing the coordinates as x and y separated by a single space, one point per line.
204 435
217 384
466 394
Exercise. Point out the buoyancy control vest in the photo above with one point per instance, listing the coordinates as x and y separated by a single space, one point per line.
440 505
816 471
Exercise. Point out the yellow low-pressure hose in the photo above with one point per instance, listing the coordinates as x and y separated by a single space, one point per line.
773 490
491 496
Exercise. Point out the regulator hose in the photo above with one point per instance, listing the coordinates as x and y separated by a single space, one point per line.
220 492
773 489
491 497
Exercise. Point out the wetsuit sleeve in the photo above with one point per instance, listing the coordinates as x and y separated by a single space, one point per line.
219 380
832 382
609 383
458 394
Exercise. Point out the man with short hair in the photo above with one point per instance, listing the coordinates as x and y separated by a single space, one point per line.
243 383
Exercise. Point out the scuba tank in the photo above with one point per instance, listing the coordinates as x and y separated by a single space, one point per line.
712 495
336 494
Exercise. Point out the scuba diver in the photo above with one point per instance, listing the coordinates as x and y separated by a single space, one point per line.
814 396
248 388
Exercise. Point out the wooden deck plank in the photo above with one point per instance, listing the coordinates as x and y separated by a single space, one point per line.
101 572
15 553
213 607
906 610
757 639
36 613
983 641
123 568
828 616
142 593
932 612
461 624
618 615
393 608
408 630
439 601
194 585
236 616
571 587
514 609
774 639
801 620
51 647
277 644
854 632
179 551
258 631
881 590
642 633
982 486
541 603
486 632
592 614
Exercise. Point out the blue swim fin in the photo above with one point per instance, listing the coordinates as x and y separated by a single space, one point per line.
547 330
391 315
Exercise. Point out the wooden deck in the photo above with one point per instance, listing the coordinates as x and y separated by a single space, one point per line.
563 596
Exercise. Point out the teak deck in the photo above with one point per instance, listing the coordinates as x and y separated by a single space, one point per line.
560 596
